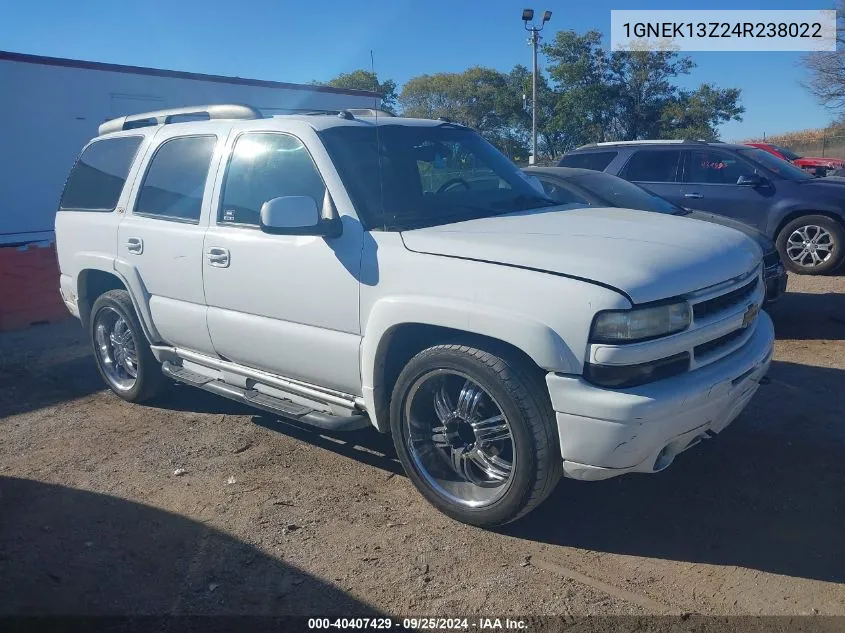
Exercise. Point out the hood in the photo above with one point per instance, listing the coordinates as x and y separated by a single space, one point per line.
648 256
764 242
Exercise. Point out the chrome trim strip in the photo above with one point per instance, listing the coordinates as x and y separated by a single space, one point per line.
285 384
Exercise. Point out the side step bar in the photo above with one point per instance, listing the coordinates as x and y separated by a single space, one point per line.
254 398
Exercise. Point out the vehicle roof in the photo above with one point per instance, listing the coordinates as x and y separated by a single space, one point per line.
326 121
564 172
317 121
656 144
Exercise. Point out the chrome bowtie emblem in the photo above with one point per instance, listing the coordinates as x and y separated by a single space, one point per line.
750 314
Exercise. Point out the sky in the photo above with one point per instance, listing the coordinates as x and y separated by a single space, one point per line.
299 42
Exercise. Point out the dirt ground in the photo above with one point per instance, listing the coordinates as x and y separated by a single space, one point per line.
269 518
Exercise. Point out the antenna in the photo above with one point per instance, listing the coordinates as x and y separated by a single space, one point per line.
378 137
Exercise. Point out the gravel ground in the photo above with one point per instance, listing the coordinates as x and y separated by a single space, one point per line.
268 518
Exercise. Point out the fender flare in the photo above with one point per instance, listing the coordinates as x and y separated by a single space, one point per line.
540 342
128 275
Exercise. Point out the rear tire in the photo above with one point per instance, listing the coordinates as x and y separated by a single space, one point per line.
812 245
476 434
121 349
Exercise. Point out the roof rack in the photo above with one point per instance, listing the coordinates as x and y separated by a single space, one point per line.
163 117
355 112
645 142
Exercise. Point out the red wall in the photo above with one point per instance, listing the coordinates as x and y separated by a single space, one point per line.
29 286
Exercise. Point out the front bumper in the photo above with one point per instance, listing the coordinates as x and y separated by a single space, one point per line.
605 432
775 279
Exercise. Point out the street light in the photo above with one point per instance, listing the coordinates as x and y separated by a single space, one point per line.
528 16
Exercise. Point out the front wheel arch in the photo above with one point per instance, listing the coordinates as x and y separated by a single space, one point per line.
403 341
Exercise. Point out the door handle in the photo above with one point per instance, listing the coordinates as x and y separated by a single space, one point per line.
135 245
218 256
693 195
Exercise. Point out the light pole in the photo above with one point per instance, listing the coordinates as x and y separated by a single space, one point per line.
528 16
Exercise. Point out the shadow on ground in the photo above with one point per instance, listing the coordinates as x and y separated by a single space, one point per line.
808 316
763 498
67 551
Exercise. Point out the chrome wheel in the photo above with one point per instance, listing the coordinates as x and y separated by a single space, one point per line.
458 438
116 348
809 246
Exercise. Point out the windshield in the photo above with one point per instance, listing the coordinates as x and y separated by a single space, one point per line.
617 192
402 176
774 164
788 153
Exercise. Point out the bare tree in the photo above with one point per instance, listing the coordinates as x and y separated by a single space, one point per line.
827 69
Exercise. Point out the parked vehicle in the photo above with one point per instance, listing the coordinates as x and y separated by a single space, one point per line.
351 271
805 216
569 185
815 166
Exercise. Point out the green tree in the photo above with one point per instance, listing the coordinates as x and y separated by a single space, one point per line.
367 80
585 100
697 114
630 95
480 98
644 88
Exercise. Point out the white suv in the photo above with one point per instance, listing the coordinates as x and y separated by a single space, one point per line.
349 271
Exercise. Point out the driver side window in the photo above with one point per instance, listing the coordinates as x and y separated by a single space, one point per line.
710 167
266 166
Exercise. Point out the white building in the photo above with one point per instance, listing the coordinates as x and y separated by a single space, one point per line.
50 107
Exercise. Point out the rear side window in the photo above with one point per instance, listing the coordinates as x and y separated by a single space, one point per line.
97 178
175 179
597 161
266 166
653 165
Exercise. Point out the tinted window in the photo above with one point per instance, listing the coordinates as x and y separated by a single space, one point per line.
402 176
616 192
775 164
787 153
97 178
653 165
560 193
597 161
263 167
716 168
175 179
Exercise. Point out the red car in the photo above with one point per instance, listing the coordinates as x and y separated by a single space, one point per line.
817 166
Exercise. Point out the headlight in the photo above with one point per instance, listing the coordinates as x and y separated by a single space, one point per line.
640 324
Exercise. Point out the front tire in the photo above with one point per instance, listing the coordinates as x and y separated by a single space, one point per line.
475 433
123 355
812 245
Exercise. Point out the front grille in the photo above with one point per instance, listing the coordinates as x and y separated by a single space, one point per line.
717 343
725 301
771 259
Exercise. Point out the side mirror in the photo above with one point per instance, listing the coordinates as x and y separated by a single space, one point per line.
296 215
754 180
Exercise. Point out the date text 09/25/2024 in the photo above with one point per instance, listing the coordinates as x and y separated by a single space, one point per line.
418 624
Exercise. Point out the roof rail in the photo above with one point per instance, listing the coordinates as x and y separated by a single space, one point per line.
163 117
645 142
355 112
369 112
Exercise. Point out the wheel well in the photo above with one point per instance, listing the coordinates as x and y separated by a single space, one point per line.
797 214
405 341
91 284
